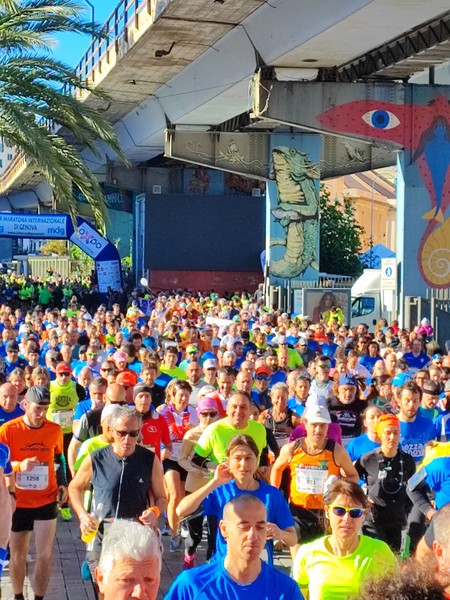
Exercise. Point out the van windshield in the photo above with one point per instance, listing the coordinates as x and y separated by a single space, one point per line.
363 306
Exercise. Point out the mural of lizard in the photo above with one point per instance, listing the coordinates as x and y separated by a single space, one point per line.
297 211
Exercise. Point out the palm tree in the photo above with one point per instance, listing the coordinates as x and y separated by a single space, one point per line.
34 92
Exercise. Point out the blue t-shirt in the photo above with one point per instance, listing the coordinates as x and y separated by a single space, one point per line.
360 445
369 361
212 582
430 413
442 427
415 435
5 459
278 377
9 416
296 408
82 408
415 363
277 510
438 478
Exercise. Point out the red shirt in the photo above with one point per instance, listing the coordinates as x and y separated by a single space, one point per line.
155 432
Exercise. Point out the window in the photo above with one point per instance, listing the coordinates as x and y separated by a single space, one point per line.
363 306
10 156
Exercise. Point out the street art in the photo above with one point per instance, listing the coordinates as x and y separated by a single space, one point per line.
297 211
425 131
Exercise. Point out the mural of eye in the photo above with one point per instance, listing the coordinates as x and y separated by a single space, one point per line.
381 119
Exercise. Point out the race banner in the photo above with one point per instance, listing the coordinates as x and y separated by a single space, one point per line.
60 227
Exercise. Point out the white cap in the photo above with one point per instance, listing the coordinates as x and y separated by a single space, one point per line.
317 414
210 363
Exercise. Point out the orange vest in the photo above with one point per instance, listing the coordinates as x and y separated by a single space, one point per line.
308 475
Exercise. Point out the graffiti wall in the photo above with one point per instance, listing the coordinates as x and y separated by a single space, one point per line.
421 125
293 197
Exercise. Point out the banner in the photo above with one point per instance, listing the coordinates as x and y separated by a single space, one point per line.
33 226
57 227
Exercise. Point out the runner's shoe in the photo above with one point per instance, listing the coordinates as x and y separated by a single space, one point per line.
66 513
189 562
175 543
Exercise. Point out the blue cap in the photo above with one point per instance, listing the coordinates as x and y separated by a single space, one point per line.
437 356
400 379
347 379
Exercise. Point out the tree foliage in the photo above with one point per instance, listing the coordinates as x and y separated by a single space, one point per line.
58 247
340 236
37 102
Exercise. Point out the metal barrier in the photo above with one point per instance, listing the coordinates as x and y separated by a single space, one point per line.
435 307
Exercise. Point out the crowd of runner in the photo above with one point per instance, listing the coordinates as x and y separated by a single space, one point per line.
198 415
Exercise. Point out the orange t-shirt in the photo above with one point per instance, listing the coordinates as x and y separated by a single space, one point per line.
37 487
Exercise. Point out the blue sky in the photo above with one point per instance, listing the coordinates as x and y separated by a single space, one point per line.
70 46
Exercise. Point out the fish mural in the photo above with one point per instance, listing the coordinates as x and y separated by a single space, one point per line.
425 130
297 211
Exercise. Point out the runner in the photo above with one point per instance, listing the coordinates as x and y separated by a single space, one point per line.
36 446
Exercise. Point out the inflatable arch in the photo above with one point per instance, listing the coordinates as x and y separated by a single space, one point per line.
60 227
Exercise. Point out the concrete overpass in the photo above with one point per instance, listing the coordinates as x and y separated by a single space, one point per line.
188 64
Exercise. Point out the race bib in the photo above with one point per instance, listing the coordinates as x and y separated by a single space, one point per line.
176 449
63 418
36 479
310 480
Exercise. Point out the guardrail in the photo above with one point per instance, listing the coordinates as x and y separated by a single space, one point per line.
125 16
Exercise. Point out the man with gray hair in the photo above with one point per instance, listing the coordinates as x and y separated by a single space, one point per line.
130 562
124 477
241 574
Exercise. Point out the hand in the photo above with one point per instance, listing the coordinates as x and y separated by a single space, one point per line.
273 531
88 523
62 494
148 518
28 464
166 454
222 474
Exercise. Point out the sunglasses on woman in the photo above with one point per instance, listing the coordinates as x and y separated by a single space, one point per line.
208 414
341 511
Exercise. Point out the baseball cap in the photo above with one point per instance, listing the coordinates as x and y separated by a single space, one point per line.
191 349
317 414
119 355
302 341
400 379
282 340
215 342
63 367
39 394
12 346
127 378
108 411
347 379
211 363
263 370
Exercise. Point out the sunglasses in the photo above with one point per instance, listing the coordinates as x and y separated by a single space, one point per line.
208 414
64 374
341 511
323 366
91 354
262 377
134 433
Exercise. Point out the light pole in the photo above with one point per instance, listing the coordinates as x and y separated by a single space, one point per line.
92 7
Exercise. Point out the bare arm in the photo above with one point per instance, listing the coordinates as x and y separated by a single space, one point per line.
281 463
191 502
77 486
148 516
72 452
344 462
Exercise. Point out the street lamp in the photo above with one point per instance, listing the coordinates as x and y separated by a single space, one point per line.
92 15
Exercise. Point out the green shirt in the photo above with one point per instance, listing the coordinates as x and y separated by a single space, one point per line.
330 577
88 447
214 440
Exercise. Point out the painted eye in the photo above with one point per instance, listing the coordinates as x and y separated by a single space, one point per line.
381 119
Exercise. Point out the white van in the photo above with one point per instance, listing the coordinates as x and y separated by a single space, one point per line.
367 306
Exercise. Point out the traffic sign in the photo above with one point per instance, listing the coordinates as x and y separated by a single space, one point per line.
388 273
